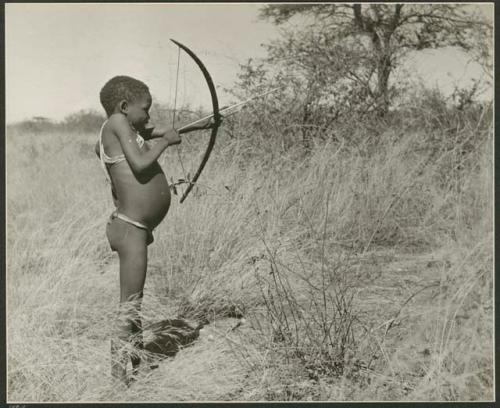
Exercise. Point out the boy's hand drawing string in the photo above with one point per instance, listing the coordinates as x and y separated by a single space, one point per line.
216 116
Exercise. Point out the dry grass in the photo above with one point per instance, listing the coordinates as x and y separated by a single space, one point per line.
378 260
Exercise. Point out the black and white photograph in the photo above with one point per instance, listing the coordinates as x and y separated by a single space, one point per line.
249 202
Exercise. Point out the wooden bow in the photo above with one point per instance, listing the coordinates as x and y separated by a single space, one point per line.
216 116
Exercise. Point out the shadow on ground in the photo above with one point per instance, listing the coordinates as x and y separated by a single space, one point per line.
168 336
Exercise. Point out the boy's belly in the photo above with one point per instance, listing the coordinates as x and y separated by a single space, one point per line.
146 198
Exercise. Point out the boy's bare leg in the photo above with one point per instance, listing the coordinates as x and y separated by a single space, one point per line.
130 243
129 334
135 329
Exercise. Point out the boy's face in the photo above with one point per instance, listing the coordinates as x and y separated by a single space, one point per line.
138 111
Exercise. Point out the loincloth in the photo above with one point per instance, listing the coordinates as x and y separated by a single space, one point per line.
138 224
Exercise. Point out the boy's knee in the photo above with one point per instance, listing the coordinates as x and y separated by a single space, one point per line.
133 264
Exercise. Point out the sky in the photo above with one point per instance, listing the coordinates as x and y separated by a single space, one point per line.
58 56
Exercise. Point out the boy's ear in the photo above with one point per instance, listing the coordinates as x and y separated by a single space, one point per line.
123 105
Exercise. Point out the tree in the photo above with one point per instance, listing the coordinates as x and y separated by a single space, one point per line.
354 48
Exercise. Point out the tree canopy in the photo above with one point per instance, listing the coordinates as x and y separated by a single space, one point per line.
345 54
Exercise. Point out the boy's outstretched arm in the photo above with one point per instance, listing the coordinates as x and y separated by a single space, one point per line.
206 124
138 159
151 132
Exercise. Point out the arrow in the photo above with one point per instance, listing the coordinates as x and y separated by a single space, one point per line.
229 108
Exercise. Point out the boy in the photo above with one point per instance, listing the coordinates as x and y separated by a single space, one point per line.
141 195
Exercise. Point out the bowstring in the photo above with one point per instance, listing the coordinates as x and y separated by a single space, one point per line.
175 109
176 85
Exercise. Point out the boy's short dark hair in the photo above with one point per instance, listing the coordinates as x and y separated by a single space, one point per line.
118 88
